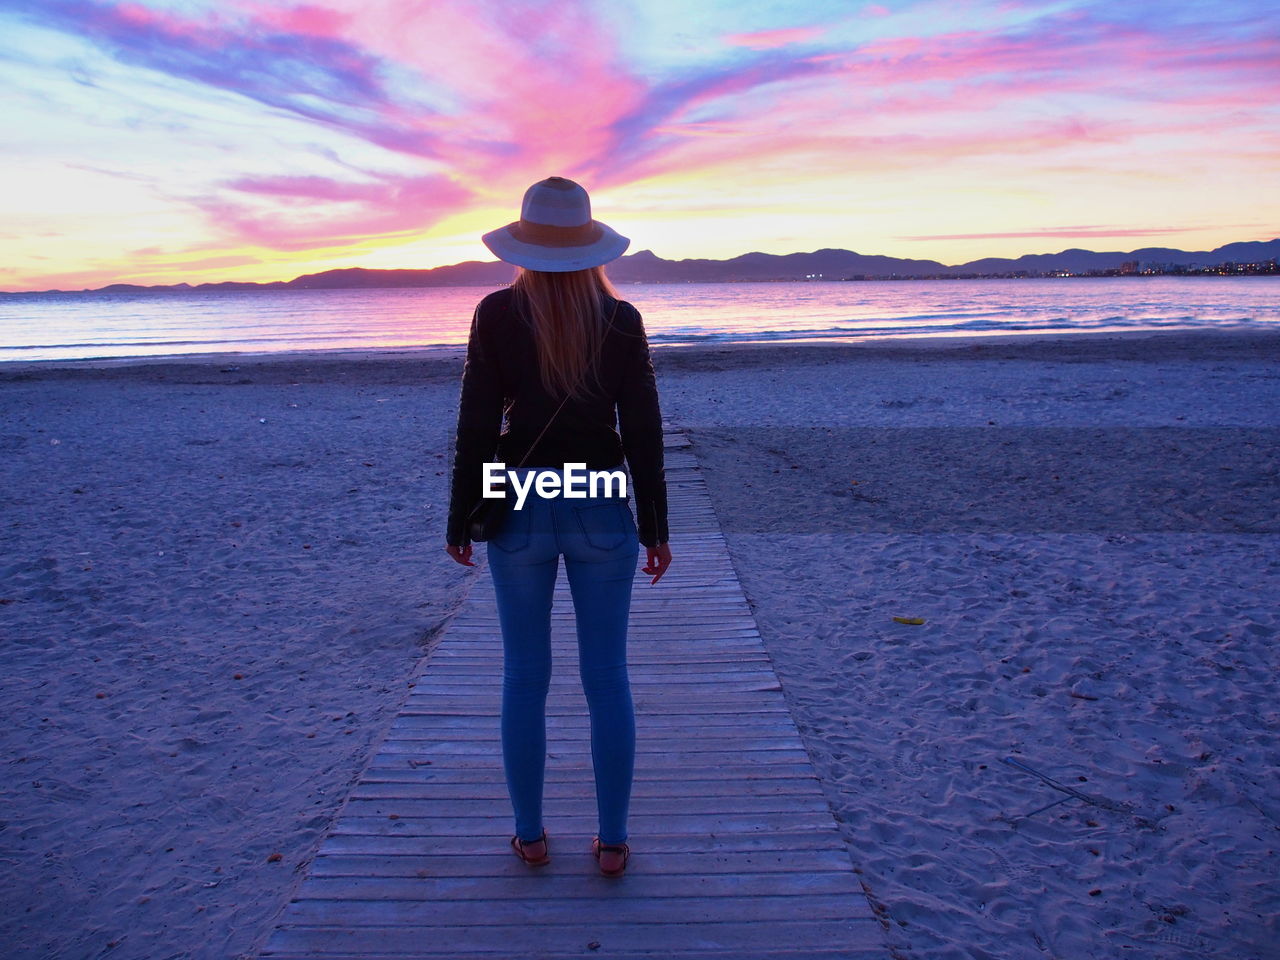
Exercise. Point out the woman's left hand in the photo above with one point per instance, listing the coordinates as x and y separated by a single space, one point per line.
461 554
659 560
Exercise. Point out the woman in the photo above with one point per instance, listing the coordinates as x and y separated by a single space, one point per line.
558 352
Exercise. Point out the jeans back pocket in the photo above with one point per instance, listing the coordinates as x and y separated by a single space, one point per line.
606 525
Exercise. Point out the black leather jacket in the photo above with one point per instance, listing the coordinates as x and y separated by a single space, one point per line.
501 376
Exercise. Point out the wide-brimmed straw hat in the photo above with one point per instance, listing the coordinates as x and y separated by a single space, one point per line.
555 231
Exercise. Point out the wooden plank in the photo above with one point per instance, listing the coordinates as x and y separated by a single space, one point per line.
578 760
582 806
538 939
622 953
679 702
479 913
708 872
404 771
497 788
798 847
736 855
563 699
644 659
353 878
436 748
453 822
459 687
656 722
659 729
689 707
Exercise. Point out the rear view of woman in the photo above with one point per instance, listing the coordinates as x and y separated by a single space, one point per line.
566 362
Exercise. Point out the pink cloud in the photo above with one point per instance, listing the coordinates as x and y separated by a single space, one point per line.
1088 231
166 268
820 152
298 213
306 18
1065 51
531 90
770 39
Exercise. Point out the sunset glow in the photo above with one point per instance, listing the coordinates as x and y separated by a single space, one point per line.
185 140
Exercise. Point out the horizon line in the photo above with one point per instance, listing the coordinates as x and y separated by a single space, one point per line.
624 256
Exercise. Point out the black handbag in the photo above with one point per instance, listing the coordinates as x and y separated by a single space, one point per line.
486 518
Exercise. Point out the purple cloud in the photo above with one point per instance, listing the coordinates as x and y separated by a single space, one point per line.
317 77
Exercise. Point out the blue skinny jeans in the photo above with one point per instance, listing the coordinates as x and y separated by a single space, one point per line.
598 537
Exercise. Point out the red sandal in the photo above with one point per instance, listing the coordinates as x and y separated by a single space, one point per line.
518 846
597 848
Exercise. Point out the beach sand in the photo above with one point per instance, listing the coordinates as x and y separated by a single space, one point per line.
215 595
1088 531
221 575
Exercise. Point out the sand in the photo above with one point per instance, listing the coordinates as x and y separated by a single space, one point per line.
1088 530
214 598
221 574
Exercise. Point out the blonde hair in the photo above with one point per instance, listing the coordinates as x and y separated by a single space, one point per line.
569 323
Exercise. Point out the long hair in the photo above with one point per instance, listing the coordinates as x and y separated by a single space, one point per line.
569 323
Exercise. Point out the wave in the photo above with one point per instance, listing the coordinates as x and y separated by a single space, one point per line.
969 326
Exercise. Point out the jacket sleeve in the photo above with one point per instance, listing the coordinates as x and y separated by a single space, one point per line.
640 426
479 421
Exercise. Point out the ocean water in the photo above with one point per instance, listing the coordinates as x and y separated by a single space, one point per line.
174 324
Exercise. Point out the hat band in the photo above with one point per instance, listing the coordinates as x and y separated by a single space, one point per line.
549 235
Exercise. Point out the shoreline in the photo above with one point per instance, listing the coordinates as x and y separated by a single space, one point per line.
434 360
282 286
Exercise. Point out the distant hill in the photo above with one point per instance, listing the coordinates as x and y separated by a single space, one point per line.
1076 260
831 264
646 267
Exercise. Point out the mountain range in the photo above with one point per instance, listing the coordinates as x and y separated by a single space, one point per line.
829 264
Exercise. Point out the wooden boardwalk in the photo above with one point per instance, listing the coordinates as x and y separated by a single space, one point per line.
735 851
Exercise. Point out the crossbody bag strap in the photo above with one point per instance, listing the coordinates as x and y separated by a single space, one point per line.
566 396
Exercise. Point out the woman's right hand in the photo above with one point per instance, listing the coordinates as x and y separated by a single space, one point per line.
460 554
659 560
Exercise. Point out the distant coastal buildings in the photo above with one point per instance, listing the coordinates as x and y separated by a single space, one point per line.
1130 268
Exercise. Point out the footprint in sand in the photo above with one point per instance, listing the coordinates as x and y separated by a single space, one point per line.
1011 868
907 760
1175 938
913 760
1191 940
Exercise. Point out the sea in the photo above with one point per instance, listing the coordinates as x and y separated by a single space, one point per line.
184 323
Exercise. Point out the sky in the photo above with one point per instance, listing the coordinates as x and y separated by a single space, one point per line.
164 141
